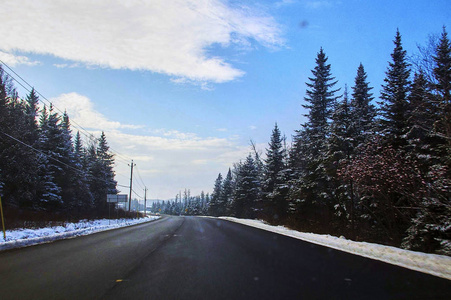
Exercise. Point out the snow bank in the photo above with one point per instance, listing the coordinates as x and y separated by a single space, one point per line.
27 237
437 265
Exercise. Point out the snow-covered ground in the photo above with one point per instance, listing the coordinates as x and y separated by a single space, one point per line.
438 265
27 237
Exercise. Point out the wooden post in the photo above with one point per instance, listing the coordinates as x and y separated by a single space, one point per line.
3 220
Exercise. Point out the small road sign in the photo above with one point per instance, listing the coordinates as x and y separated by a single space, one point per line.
113 198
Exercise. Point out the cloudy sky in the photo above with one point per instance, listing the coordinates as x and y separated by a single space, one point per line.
181 87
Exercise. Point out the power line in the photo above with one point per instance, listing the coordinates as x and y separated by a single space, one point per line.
122 175
86 133
83 130
141 197
143 186
139 176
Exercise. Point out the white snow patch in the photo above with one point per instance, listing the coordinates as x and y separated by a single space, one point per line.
26 237
434 264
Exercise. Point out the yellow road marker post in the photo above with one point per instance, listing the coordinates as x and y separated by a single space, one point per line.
3 220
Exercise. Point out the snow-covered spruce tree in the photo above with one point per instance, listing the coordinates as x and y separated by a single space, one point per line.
204 204
90 165
340 149
227 193
320 97
442 73
59 148
30 136
247 191
362 110
31 113
207 203
82 196
422 109
296 167
49 192
394 106
69 184
314 182
18 163
103 174
422 117
214 209
274 196
430 230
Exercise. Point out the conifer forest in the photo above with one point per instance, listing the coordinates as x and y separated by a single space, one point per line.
43 167
370 167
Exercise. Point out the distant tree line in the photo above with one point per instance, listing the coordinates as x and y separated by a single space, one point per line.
183 205
371 170
42 166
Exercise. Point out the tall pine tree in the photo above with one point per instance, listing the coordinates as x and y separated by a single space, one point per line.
363 111
247 192
394 95
214 208
321 97
275 204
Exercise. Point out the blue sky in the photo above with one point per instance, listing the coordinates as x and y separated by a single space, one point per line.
182 86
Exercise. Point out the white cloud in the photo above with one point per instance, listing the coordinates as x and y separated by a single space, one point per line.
60 66
168 160
14 60
81 111
169 37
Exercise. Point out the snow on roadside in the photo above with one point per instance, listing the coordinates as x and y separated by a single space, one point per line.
437 265
26 237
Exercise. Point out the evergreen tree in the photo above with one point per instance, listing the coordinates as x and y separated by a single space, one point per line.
50 192
340 149
102 174
273 179
314 182
340 140
394 95
247 192
430 229
442 73
214 209
422 116
320 98
78 148
297 167
31 113
68 184
17 161
82 196
59 147
362 110
422 110
95 183
227 193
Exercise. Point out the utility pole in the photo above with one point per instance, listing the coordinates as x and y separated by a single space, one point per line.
131 184
145 201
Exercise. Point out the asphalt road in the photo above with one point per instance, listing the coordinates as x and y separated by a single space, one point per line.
201 258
